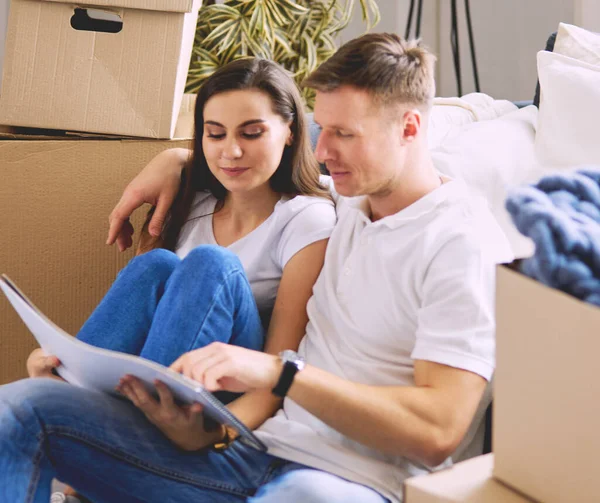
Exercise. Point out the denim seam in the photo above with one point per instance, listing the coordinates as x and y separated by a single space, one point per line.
214 300
35 477
278 463
123 456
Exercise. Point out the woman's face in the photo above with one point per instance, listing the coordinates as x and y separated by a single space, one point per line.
243 139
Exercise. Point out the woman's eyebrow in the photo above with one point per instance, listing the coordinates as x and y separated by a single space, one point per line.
243 124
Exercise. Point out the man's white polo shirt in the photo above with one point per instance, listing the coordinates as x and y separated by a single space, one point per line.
418 284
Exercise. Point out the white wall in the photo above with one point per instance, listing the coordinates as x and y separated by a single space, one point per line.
508 34
394 14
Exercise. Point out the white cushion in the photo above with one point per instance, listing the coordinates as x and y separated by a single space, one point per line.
448 115
577 43
569 111
492 157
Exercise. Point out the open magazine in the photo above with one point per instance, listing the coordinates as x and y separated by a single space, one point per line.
100 369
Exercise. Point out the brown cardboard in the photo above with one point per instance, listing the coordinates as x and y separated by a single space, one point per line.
128 83
161 5
546 434
3 27
185 122
55 198
467 482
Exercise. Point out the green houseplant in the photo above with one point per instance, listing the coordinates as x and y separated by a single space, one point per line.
298 34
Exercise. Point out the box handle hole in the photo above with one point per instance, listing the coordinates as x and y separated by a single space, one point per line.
96 20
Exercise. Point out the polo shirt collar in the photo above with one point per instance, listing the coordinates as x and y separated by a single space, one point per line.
429 202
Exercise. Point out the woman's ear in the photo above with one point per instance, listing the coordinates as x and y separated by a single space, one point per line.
290 137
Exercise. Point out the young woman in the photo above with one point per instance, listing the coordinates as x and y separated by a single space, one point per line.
252 188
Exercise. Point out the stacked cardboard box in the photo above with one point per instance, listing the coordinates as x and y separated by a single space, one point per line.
58 188
55 198
3 27
102 66
546 408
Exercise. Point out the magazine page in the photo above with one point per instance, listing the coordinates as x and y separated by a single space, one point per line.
100 369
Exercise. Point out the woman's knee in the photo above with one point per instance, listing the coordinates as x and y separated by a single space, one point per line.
211 258
157 265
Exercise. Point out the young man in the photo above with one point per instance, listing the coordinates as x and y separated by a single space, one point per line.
398 348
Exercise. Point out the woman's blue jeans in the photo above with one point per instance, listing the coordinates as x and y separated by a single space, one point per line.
161 307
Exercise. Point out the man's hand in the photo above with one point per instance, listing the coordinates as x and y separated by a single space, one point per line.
39 364
221 366
182 425
157 184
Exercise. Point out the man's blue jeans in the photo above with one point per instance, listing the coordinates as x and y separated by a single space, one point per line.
104 447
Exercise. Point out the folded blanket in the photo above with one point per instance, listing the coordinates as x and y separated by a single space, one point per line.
561 214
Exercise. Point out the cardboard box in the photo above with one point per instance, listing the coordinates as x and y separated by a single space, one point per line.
467 482
55 198
546 435
128 83
3 26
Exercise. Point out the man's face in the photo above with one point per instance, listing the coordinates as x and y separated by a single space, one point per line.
360 143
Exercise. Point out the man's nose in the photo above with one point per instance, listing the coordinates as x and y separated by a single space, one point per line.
321 149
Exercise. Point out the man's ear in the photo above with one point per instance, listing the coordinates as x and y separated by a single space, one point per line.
411 124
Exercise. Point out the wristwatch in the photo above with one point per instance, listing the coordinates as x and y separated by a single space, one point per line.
292 363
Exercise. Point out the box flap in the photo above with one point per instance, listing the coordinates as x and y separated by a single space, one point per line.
160 5
467 482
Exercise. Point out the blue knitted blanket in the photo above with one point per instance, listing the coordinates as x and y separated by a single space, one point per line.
561 214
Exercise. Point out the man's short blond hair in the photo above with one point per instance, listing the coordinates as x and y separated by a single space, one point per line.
393 70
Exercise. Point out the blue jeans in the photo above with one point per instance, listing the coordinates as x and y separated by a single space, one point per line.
161 307
106 449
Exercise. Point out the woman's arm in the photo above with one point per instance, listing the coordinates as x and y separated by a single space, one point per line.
287 327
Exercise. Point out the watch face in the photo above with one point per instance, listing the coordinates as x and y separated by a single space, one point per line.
288 355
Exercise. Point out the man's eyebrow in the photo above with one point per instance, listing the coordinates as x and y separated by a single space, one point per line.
243 124
335 126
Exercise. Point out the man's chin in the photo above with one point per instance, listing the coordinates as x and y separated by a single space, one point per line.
345 189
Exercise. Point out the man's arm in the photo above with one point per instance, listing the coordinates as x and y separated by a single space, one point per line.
425 422
157 184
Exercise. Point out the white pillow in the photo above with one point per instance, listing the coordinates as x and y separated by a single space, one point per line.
569 111
448 115
492 157
577 43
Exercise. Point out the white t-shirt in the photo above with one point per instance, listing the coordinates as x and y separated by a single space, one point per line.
415 285
294 224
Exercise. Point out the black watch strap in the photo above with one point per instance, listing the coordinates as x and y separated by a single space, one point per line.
285 379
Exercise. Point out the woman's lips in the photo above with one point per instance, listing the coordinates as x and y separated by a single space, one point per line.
234 171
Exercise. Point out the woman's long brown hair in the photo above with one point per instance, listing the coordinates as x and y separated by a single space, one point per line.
298 171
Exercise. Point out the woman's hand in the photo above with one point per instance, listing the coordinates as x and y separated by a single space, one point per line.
157 184
220 366
184 426
39 364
